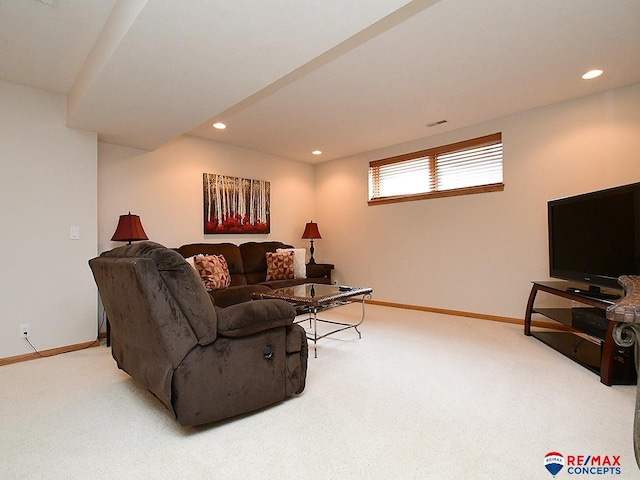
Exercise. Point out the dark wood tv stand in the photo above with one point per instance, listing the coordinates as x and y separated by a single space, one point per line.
582 334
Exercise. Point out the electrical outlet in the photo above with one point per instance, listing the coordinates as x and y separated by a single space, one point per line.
25 330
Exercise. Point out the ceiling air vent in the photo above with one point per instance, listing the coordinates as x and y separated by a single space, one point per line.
51 3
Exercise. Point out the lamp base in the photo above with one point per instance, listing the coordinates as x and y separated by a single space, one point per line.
311 260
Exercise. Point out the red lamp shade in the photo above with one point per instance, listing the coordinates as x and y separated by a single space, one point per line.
311 231
129 229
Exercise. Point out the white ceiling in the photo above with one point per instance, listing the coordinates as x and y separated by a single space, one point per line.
291 77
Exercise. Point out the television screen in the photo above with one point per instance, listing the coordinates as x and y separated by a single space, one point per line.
595 237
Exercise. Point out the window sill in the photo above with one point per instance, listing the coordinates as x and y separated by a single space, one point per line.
494 187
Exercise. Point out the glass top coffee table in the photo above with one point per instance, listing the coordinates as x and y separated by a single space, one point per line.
312 298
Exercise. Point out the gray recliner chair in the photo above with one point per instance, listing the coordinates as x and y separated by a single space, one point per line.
202 362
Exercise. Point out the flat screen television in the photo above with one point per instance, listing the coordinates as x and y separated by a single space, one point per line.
595 237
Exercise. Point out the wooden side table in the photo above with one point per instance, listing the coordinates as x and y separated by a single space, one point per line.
328 267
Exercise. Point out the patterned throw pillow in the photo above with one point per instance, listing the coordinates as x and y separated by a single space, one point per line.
214 271
280 266
299 266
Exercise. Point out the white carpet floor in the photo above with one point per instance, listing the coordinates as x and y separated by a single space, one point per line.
420 396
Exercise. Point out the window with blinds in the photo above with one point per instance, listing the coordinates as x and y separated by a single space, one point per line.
472 166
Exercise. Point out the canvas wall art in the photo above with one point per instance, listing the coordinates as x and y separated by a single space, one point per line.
235 205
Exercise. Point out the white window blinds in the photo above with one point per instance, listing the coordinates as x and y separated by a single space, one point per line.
466 167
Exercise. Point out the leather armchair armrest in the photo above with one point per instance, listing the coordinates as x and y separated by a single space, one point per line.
252 317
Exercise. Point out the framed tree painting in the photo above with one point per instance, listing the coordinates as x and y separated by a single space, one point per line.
235 205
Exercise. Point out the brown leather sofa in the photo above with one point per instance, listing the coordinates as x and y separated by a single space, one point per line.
248 268
204 363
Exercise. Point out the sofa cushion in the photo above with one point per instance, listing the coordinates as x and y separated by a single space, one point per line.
214 271
254 259
230 252
280 266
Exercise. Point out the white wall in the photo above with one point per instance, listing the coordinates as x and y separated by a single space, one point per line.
48 184
478 253
164 187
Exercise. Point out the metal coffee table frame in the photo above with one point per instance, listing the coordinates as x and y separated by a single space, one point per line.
311 298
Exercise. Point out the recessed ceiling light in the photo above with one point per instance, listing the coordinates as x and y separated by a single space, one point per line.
592 74
219 125
317 152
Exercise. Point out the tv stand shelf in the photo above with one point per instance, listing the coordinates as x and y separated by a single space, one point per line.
581 333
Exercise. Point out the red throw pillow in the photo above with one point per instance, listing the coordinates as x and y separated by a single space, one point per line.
214 271
280 266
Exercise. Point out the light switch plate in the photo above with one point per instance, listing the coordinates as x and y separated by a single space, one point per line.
75 233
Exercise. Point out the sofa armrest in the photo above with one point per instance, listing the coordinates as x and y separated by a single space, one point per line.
252 317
